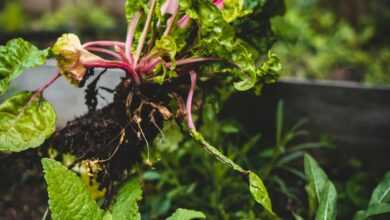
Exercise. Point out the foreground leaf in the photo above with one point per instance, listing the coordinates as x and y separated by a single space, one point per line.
25 123
16 56
68 196
259 192
186 214
327 208
315 175
125 206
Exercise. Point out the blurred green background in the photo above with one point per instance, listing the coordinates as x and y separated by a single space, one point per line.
317 39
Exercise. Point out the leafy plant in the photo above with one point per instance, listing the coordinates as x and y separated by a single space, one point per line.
177 41
379 202
69 198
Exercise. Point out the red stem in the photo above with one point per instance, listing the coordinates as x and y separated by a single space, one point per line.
104 43
130 34
48 83
114 65
105 51
194 60
144 34
190 95
122 54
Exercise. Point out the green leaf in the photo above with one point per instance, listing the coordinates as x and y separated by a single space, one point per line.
16 56
216 153
217 38
234 9
170 137
186 214
328 203
125 206
166 46
379 202
132 6
381 193
316 177
378 209
259 192
25 122
68 196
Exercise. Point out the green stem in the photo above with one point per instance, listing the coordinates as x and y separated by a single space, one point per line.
198 137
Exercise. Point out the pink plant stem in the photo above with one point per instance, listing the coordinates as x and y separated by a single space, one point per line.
184 21
104 43
114 65
105 51
194 60
172 19
190 95
122 54
47 84
150 65
142 39
130 34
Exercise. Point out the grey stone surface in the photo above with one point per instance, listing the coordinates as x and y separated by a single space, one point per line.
67 99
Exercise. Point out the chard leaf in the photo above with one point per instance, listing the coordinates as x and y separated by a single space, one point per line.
166 46
68 196
217 38
328 203
125 206
16 56
260 193
25 123
234 9
186 214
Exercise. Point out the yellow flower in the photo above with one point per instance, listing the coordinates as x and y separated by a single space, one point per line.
70 56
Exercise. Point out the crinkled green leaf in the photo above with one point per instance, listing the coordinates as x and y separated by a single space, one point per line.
316 177
166 46
328 203
16 56
25 123
68 196
186 214
217 38
256 28
234 9
125 206
259 192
